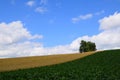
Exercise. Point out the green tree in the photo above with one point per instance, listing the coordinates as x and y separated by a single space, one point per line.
87 46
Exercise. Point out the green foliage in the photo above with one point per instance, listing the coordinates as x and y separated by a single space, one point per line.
87 46
100 66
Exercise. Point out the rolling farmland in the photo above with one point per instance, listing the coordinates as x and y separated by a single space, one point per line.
99 66
37 61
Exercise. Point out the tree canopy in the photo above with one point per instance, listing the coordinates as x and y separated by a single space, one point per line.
87 46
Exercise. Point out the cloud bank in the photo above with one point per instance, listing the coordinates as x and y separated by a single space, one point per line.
17 41
109 38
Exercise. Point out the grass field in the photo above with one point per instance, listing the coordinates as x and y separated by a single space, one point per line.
99 66
37 61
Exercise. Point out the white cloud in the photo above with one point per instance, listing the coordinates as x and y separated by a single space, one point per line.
113 21
82 17
87 16
15 40
14 32
41 10
30 3
60 49
107 39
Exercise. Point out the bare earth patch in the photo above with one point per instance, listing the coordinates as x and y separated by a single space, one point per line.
37 61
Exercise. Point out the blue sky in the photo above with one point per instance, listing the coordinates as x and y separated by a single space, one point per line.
59 22
56 23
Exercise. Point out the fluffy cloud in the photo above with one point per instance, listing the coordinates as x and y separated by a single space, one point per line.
112 22
14 32
30 3
81 17
109 38
15 40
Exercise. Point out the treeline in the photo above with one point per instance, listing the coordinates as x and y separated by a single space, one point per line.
87 46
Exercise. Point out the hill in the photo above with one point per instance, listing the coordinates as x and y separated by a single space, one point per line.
100 66
37 61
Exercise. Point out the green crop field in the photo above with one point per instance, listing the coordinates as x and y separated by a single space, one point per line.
99 66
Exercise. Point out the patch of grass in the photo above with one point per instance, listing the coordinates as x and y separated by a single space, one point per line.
100 66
